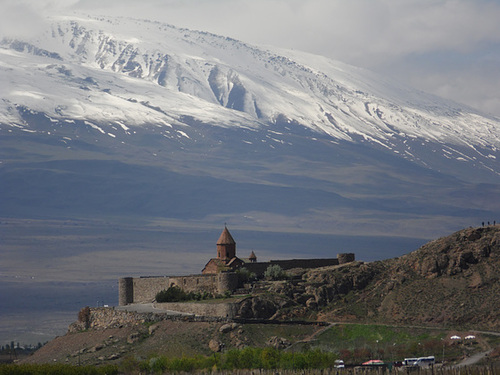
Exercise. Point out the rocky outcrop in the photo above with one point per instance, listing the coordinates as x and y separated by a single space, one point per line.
215 345
331 283
454 254
279 342
228 327
453 280
258 307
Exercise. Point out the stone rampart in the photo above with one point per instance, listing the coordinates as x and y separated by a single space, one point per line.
109 317
260 267
346 258
227 281
125 291
144 289
140 289
196 283
305 263
223 310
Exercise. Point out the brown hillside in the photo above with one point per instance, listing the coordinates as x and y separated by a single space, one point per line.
451 281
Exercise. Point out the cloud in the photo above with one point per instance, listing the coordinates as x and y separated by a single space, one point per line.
19 20
473 80
363 32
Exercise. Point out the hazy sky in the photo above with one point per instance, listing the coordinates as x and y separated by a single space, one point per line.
447 47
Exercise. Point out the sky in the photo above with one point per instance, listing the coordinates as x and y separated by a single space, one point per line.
447 47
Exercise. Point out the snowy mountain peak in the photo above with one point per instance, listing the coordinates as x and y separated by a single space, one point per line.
136 72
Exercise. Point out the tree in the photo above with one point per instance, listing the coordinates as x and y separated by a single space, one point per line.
244 276
274 272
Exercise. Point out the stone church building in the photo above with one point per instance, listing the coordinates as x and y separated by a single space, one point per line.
226 256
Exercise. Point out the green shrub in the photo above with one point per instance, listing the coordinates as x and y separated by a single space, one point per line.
244 276
172 294
176 294
129 365
275 272
56 369
158 364
270 358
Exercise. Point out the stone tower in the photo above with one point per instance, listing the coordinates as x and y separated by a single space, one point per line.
226 247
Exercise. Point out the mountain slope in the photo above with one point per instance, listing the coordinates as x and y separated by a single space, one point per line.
339 100
129 117
451 281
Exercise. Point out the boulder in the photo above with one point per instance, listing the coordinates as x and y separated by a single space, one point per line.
278 342
228 327
257 308
215 345
133 337
311 304
153 328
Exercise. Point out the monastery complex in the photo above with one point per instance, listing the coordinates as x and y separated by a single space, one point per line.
218 276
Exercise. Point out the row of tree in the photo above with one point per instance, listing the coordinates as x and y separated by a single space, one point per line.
18 347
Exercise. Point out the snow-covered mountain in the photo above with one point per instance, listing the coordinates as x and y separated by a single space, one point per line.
288 135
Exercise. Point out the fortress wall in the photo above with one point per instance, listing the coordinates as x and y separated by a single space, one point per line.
196 283
227 281
260 267
144 289
125 291
346 258
109 317
140 289
305 263
223 310
211 283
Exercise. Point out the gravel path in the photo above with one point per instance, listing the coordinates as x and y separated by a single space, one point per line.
473 359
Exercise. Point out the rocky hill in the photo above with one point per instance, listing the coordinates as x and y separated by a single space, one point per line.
451 281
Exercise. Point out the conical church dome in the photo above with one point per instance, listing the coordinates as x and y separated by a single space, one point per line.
226 247
226 238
